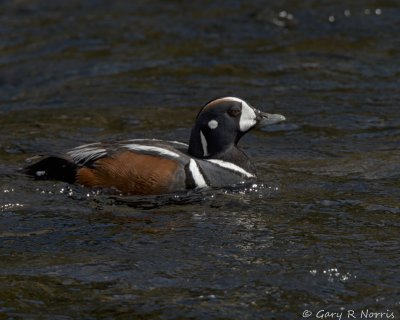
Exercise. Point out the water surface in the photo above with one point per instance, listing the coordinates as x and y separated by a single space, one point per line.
319 231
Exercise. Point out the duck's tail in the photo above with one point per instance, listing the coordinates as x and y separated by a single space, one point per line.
52 168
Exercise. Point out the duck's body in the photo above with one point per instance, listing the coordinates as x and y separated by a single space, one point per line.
151 166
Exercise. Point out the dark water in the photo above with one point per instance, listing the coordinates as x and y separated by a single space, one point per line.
319 232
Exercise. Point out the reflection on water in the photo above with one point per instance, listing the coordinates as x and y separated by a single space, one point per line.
319 230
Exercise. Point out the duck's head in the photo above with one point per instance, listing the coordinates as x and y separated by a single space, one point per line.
222 122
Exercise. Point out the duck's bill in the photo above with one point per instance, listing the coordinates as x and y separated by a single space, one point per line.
266 119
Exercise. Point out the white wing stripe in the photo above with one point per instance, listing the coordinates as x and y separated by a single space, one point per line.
159 150
86 154
88 146
156 140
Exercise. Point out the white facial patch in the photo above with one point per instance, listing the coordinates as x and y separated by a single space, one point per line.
204 144
247 118
213 124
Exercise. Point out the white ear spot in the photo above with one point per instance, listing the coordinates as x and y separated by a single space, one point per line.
212 124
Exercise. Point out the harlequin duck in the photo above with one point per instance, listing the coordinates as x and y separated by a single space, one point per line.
151 166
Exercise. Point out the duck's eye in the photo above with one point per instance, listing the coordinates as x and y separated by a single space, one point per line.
235 111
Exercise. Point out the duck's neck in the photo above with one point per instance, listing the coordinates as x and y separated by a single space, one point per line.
238 157
200 147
